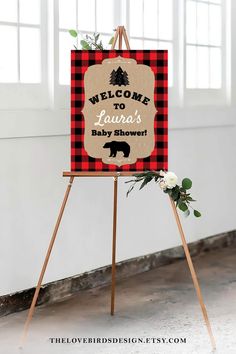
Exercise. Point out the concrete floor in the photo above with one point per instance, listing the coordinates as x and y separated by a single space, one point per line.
160 303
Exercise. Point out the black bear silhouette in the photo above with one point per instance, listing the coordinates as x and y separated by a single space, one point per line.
116 146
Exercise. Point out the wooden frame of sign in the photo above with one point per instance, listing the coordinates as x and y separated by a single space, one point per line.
119 35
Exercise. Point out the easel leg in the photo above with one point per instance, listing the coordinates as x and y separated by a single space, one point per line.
113 270
33 304
193 274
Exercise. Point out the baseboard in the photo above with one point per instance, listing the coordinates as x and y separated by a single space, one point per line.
64 288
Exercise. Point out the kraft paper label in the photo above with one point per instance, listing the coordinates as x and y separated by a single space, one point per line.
119 111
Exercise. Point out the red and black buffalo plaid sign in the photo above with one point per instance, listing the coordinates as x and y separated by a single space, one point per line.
80 61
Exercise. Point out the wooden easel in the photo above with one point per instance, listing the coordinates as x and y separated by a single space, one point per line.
119 35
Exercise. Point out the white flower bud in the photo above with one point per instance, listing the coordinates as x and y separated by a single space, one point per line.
162 185
162 173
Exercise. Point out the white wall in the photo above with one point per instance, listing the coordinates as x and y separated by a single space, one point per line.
31 190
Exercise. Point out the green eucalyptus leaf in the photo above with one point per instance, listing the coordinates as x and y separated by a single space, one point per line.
168 191
187 183
111 41
145 182
190 199
175 193
131 180
73 33
175 196
183 206
197 213
85 45
129 190
142 174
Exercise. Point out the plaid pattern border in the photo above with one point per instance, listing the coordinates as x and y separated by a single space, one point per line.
158 61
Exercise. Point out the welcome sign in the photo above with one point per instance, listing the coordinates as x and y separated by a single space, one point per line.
119 110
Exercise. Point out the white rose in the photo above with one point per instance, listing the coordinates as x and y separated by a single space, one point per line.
170 179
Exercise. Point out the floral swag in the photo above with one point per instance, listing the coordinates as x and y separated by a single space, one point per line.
167 181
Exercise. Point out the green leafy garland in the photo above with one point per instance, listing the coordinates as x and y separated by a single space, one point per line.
168 183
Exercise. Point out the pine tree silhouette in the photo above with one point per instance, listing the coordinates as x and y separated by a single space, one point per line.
119 77
113 77
125 78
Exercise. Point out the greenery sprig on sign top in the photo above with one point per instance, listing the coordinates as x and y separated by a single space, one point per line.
90 42
167 181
